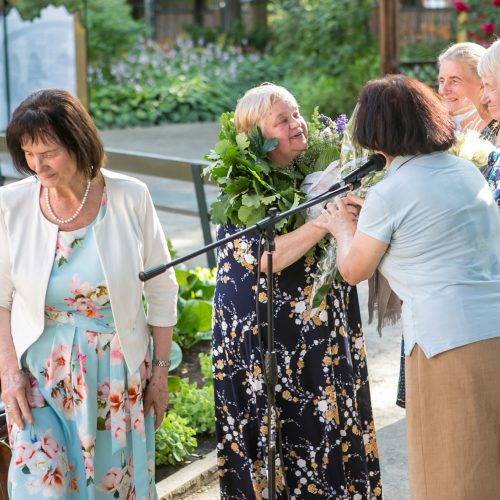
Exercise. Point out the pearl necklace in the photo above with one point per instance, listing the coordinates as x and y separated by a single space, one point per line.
77 212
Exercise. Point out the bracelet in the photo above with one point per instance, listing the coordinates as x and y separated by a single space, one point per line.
161 362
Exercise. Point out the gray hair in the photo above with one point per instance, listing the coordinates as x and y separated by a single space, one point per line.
253 107
489 65
467 53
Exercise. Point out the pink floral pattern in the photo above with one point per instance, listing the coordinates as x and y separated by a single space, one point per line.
81 387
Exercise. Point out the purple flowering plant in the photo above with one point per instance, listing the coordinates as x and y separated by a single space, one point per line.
323 143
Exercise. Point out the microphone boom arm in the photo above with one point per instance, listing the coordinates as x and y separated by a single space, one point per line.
348 183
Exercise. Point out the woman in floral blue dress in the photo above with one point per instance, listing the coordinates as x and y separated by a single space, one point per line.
83 383
323 399
489 70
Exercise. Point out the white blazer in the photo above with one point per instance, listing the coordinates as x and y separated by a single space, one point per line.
129 239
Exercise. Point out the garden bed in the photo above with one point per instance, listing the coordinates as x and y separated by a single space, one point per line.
190 368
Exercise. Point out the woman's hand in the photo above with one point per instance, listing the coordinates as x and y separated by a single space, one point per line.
156 395
17 397
353 200
339 217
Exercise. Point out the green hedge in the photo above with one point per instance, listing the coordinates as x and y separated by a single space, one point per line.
186 83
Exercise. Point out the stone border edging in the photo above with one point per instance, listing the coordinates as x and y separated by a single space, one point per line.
189 479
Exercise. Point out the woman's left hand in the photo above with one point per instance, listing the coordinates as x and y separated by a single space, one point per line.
156 395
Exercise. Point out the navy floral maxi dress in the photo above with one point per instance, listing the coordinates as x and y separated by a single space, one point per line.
322 394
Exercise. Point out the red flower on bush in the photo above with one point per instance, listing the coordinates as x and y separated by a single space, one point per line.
496 3
488 28
462 6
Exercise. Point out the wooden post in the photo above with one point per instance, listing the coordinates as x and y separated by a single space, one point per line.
198 11
231 14
260 14
81 61
389 53
6 57
149 16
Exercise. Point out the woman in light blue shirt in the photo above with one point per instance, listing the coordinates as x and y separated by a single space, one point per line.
433 230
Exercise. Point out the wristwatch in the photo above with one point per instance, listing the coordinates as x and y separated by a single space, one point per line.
161 362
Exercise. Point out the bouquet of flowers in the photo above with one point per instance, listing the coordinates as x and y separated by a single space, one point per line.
468 145
350 158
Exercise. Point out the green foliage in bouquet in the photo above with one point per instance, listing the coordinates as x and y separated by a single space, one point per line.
174 440
196 406
323 143
250 183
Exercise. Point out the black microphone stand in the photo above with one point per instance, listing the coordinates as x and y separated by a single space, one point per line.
267 228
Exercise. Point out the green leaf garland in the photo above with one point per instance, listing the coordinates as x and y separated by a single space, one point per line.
250 183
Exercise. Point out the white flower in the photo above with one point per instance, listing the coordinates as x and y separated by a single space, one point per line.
249 258
300 307
322 406
471 147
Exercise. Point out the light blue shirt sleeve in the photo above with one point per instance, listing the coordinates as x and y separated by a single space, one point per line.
375 218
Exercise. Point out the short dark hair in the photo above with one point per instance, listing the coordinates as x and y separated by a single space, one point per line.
56 115
398 115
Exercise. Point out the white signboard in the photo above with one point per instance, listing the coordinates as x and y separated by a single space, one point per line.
41 54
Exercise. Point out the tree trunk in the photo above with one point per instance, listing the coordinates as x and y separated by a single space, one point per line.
389 48
260 14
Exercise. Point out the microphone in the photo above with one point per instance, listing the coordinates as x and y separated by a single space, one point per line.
375 163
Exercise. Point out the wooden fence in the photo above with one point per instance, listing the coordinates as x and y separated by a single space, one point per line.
415 24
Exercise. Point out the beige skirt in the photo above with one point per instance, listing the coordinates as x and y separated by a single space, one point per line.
453 422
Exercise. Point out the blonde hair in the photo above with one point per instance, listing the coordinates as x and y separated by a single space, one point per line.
467 53
489 65
253 107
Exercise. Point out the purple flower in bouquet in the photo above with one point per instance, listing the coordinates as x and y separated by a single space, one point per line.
341 124
326 120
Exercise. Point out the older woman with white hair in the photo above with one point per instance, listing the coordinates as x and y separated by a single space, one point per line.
460 85
322 395
489 70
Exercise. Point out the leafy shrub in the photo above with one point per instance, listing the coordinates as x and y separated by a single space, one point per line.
427 73
174 440
179 83
206 367
111 29
239 35
194 306
334 95
419 59
304 31
196 405
479 19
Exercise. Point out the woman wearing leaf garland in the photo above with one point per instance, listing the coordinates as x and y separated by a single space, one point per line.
329 446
